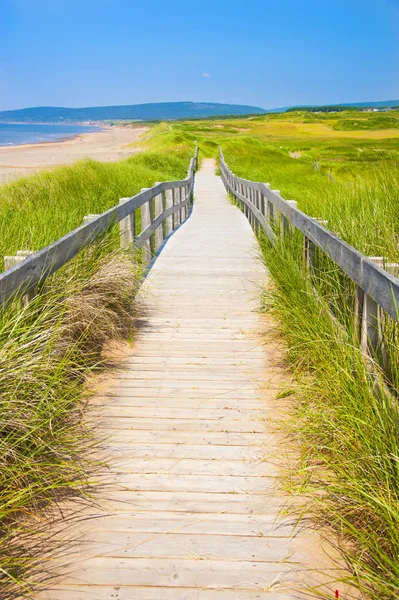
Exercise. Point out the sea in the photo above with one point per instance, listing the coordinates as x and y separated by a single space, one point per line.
32 133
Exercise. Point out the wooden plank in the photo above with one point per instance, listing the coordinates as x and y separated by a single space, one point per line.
128 462
224 438
178 450
180 545
263 528
175 402
178 424
219 503
194 483
183 573
198 413
127 390
87 592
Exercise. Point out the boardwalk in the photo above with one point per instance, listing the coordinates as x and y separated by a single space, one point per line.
191 514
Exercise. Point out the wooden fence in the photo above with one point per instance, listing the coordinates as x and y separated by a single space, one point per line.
377 289
163 207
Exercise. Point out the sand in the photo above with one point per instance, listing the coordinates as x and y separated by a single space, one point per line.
108 145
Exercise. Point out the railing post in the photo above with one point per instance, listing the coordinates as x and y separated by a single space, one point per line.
259 207
254 204
11 261
262 204
251 199
178 200
249 196
187 194
169 220
309 249
286 229
127 228
276 213
370 335
158 207
269 208
182 199
368 318
146 222
175 214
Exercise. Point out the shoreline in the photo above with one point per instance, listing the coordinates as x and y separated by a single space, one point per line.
108 144
64 138
68 138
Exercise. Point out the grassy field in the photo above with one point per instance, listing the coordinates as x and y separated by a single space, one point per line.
343 168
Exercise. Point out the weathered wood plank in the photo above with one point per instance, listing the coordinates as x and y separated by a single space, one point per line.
180 573
193 502
129 463
82 592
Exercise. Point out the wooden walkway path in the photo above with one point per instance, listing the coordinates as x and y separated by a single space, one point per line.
192 510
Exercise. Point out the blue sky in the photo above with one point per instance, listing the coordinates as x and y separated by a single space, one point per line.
268 54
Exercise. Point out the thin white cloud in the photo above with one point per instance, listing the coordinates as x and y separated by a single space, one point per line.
206 75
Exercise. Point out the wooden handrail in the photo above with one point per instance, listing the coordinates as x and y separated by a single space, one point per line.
30 273
378 287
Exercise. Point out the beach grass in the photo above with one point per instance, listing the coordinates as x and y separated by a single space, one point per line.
37 210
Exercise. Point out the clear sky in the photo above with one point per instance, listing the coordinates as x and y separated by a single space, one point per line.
259 52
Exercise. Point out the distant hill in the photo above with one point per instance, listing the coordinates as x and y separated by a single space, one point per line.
338 107
386 104
144 112
161 111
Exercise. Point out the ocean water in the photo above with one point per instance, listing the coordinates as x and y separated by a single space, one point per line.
32 133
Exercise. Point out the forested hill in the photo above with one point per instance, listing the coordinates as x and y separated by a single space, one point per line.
146 112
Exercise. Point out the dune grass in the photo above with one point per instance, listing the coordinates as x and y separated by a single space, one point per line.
47 351
347 436
38 210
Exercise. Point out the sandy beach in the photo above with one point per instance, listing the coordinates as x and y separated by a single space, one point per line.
108 145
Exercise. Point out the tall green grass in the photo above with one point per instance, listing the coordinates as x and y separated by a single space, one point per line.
38 210
360 201
347 434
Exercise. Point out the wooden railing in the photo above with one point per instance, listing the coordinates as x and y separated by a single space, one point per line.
163 207
376 288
